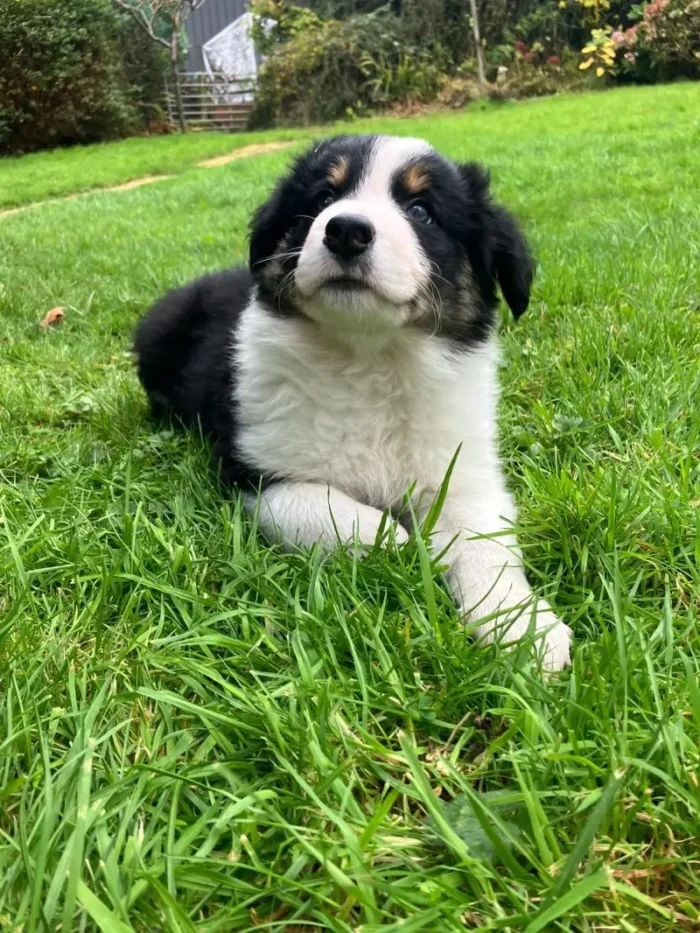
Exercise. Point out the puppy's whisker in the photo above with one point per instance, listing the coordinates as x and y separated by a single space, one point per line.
436 272
288 255
433 304
285 284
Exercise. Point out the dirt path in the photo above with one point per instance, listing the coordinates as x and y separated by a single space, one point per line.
243 153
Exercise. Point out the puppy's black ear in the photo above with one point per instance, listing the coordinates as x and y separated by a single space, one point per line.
512 261
503 251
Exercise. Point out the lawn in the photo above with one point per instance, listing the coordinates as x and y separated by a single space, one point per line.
198 732
61 172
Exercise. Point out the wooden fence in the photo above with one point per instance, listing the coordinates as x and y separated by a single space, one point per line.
211 101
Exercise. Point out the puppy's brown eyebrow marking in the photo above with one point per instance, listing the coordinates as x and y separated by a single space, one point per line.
416 178
339 171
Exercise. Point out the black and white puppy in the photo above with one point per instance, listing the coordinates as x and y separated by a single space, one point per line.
354 358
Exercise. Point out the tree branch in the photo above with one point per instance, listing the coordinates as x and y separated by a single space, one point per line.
139 16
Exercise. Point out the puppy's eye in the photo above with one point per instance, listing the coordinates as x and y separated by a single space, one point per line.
420 212
324 200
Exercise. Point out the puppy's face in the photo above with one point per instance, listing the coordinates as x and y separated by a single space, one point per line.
373 233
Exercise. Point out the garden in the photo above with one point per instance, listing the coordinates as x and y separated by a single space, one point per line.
199 732
84 71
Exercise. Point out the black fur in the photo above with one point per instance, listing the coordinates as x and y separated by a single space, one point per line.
185 343
497 250
471 241
184 347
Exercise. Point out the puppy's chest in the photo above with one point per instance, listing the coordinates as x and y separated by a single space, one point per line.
365 427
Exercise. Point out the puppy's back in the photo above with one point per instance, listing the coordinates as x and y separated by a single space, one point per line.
183 347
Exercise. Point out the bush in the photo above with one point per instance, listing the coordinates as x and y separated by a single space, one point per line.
339 68
62 79
664 44
287 22
363 57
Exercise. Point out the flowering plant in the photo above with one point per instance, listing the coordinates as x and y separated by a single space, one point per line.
665 43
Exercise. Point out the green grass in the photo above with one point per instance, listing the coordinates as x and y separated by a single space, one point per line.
198 732
42 175
61 172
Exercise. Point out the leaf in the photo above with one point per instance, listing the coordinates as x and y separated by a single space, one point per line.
567 424
626 890
586 64
54 316
599 72
462 818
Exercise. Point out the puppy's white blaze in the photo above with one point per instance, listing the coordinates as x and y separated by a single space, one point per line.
389 155
397 267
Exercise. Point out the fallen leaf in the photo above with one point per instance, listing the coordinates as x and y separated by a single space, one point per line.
54 316
270 918
472 920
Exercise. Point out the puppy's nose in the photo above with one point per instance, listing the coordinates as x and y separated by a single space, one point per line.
348 235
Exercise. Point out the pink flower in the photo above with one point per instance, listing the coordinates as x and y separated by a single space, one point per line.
630 57
527 57
618 37
521 47
653 9
630 36
554 60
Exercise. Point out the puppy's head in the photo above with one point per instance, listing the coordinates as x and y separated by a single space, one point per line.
372 233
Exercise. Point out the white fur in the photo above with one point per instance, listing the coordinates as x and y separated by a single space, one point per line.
350 410
398 267
352 430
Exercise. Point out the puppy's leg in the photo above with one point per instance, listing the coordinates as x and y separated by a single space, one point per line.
487 578
302 514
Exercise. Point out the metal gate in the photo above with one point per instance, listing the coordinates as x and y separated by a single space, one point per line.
211 101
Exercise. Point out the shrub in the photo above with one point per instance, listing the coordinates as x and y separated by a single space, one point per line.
520 71
664 44
61 74
288 21
416 51
599 52
341 68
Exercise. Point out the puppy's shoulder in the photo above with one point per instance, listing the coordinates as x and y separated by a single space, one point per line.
224 292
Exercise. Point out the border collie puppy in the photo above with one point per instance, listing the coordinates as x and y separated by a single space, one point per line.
355 357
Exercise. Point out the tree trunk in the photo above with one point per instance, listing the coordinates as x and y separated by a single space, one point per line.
175 66
479 49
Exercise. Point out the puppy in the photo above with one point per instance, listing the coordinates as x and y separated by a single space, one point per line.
355 357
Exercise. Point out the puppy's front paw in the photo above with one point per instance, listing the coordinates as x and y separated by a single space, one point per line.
514 621
365 537
554 643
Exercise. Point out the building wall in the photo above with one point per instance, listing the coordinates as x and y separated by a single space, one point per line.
206 22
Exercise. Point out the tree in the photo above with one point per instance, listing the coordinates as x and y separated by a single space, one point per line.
479 48
162 21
